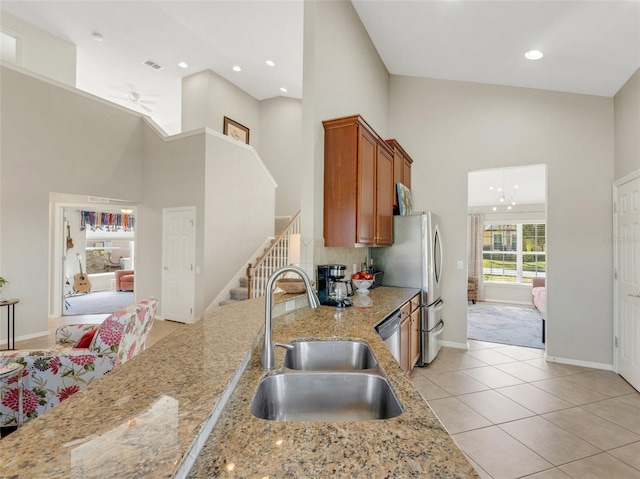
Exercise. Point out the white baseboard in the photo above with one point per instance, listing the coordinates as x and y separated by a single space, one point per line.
519 303
25 337
451 344
576 362
551 359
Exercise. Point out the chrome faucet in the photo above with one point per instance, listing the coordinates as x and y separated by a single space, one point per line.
268 350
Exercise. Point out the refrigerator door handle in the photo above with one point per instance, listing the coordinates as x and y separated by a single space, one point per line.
436 304
439 327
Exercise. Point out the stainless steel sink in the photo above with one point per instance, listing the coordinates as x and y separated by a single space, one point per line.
329 356
325 397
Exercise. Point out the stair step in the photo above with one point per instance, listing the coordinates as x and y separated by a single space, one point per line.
229 301
239 294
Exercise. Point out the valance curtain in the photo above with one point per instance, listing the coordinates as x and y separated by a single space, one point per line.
475 230
99 220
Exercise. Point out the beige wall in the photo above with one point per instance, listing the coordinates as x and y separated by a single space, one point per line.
281 149
207 98
54 139
627 127
60 144
343 75
239 210
451 128
173 177
41 52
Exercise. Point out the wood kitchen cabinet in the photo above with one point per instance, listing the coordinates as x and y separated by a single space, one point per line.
358 185
401 168
405 346
410 333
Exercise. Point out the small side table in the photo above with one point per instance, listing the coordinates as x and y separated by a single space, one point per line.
8 371
11 321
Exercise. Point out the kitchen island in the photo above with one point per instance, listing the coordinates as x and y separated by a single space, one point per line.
152 416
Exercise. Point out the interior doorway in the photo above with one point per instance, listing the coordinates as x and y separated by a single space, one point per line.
178 263
98 250
507 255
626 281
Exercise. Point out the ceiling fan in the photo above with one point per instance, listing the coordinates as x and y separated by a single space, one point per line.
134 100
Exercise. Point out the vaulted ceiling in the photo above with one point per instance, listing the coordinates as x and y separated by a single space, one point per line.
590 47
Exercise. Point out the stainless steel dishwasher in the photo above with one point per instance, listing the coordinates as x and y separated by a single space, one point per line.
389 331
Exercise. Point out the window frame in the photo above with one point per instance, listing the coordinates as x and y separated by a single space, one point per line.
519 251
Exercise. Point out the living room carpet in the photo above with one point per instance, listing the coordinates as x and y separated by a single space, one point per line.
499 323
99 302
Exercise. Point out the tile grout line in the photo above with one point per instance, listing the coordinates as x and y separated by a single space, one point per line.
554 376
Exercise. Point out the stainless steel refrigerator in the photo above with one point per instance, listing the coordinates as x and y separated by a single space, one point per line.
415 261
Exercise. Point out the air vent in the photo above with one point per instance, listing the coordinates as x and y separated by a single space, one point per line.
152 64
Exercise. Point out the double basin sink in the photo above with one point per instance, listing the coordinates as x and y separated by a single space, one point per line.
326 381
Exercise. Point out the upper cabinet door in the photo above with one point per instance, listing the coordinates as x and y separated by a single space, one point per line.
401 169
366 220
384 197
406 176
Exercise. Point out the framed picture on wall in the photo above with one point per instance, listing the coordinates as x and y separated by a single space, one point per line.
405 202
236 130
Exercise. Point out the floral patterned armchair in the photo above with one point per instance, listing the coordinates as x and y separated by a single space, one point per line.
51 376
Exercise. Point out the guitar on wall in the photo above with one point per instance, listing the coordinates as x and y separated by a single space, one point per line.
81 283
69 240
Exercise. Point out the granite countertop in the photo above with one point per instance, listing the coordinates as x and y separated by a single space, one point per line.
149 417
413 444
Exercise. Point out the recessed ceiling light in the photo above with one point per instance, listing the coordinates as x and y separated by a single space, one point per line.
533 55
283 89
270 63
236 68
97 37
183 65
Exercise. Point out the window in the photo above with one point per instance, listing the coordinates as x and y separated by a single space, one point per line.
514 253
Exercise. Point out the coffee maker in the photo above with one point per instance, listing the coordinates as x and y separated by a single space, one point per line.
332 288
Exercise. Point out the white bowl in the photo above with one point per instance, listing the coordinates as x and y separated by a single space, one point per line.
363 285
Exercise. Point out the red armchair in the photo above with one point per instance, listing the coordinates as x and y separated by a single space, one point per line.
124 280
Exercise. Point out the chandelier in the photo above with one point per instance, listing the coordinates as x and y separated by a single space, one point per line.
503 197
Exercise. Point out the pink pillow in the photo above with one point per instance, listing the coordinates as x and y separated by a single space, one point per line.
86 339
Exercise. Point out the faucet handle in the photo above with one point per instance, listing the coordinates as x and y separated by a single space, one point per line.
284 345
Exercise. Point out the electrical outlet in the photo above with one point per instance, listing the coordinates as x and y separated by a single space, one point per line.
460 265
289 305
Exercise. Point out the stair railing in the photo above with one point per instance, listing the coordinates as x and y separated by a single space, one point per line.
276 256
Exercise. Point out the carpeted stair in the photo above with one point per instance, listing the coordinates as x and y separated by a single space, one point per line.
237 294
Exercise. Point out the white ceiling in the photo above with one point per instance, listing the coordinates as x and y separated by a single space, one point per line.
590 46
205 34
530 181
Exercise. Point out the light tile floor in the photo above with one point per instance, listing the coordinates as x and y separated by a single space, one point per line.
515 415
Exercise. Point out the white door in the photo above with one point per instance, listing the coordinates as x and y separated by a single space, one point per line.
178 264
627 287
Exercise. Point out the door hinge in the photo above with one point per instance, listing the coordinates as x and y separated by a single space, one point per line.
615 207
616 341
615 274
191 312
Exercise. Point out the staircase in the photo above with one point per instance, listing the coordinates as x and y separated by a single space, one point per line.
237 294
275 256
